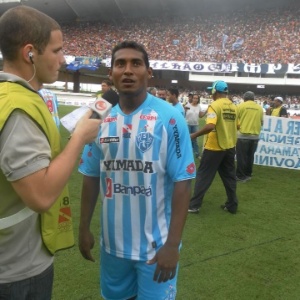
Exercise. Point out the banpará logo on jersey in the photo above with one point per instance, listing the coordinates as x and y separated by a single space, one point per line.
126 131
129 165
117 188
144 141
109 139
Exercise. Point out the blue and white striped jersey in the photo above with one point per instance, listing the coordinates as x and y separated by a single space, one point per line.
52 103
138 157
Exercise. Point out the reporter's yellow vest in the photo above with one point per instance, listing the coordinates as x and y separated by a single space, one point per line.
56 223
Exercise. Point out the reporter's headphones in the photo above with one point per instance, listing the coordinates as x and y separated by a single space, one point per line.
30 55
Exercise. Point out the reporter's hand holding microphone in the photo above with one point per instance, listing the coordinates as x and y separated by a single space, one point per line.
87 128
92 120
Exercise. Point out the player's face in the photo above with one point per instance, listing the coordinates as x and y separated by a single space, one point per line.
48 64
129 72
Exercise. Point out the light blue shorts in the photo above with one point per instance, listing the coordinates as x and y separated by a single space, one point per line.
122 279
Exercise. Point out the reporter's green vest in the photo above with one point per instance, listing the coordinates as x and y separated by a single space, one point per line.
56 223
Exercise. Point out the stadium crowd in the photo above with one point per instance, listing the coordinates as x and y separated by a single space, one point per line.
270 36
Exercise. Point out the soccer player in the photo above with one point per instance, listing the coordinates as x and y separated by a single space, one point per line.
142 165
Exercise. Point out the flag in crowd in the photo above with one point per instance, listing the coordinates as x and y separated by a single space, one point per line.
224 41
90 63
238 43
199 42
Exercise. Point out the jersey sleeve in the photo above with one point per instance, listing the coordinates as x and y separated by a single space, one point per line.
180 160
90 160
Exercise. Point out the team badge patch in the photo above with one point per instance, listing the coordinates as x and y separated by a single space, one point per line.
144 141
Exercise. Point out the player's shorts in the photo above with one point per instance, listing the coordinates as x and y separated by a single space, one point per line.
122 279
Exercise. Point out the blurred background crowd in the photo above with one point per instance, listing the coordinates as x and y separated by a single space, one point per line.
252 36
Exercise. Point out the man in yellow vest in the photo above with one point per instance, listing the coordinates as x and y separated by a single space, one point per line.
250 120
219 149
35 216
278 110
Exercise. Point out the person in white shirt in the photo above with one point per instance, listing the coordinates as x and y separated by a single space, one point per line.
192 114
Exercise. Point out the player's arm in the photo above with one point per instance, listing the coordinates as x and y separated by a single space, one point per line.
168 255
89 195
211 120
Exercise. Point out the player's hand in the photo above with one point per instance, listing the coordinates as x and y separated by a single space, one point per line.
86 243
166 259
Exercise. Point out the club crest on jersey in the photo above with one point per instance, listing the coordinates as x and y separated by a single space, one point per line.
144 141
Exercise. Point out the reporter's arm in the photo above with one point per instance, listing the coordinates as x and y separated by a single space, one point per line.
40 189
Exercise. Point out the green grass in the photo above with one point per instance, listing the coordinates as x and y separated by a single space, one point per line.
251 255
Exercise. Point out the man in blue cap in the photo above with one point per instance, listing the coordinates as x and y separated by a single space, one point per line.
219 149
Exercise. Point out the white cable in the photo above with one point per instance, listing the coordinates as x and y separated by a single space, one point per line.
34 71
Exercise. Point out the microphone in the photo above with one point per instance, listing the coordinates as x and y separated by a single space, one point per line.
109 97
101 108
